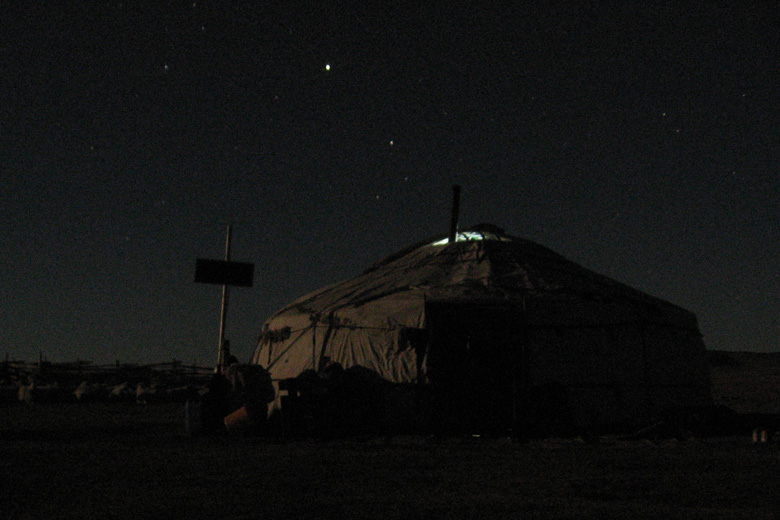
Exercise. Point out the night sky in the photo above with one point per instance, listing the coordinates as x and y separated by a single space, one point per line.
641 142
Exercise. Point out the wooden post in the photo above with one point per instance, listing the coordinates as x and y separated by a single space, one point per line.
223 317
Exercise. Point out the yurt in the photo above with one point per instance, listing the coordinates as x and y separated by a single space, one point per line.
502 332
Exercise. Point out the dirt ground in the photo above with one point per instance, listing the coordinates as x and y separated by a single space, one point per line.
116 461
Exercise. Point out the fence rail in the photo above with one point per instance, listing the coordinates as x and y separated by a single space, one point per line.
17 372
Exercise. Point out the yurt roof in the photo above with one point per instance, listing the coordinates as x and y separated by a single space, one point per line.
484 264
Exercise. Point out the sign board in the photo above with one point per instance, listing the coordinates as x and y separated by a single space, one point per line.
223 272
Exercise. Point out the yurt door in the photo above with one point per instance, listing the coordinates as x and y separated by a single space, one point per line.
478 365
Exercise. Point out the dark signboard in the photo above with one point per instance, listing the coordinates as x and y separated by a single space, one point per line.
222 272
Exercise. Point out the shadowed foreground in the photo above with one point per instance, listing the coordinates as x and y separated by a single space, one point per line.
107 461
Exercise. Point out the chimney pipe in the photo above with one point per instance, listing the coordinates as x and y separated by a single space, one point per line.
455 212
